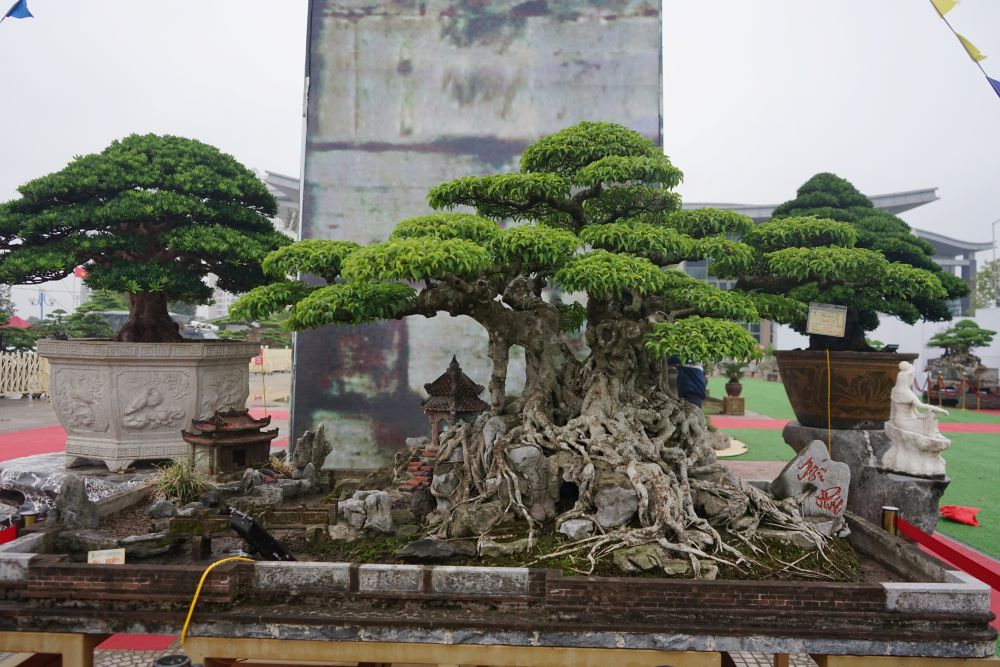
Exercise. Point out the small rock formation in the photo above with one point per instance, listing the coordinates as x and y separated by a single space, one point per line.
916 443
161 509
73 508
819 485
309 454
431 550
368 510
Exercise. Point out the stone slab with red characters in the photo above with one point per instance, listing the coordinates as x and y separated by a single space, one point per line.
819 484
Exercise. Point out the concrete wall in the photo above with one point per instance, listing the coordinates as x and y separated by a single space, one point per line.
406 95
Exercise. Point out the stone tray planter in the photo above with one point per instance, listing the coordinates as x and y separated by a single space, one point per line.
859 395
125 402
932 612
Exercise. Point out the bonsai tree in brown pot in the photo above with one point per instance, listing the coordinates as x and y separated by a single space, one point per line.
733 370
831 246
151 217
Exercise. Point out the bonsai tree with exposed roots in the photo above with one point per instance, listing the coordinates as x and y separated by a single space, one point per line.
150 216
593 216
959 340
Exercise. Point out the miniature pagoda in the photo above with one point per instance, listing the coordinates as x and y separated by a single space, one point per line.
227 443
452 398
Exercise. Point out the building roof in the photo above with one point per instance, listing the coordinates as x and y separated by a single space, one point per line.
453 391
893 202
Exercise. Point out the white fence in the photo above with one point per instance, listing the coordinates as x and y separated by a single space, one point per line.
23 373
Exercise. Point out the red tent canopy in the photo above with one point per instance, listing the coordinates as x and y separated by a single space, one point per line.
15 322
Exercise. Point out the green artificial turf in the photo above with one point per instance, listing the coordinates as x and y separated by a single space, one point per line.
973 459
762 397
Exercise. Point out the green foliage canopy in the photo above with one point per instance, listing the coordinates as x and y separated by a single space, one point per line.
962 337
148 215
830 245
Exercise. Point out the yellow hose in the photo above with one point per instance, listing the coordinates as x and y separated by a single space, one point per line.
201 582
829 418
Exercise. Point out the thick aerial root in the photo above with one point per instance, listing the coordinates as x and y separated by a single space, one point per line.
660 446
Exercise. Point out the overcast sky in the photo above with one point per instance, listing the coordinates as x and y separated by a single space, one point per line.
758 94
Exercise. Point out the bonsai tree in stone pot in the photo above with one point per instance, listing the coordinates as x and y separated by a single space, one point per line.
733 370
151 217
958 363
594 217
831 246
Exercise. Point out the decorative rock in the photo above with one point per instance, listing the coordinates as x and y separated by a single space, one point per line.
615 499
430 550
251 479
408 530
352 511
577 529
530 466
819 485
647 557
442 486
917 498
73 508
309 472
492 549
418 443
312 447
718 440
792 537
475 519
145 546
76 541
161 509
378 508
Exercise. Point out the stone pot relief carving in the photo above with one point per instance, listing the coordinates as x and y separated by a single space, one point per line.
153 400
226 390
81 397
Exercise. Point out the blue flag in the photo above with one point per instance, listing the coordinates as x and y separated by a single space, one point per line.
19 10
995 84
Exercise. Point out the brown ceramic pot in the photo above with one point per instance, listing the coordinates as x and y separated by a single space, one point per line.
734 388
860 386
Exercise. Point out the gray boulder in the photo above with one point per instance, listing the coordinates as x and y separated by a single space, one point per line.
532 470
378 510
161 509
73 508
430 550
442 486
145 546
577 529
353 512
76 541
615 499
475 519
492 549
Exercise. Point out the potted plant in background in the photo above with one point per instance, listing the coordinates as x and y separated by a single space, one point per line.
958 373
830 245
151 217
733 370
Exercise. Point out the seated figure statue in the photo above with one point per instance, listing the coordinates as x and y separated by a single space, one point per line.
916 442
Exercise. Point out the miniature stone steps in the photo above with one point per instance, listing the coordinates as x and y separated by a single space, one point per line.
419 468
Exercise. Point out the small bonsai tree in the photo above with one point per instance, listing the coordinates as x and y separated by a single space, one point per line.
830 245
150 216
959 340
593 215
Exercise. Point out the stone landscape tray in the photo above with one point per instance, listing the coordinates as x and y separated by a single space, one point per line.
933 612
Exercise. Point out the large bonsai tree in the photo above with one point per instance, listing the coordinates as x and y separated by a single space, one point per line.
831 245
150 216
592 214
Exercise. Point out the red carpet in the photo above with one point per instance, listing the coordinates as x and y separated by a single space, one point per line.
32 441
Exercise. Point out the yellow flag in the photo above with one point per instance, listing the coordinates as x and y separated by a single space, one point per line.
944 6
971 49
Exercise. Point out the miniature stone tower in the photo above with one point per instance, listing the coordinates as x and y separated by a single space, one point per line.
452 398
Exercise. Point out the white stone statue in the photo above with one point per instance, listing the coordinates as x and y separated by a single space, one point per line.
916 443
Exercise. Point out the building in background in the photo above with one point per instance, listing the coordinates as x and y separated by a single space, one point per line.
955 256
403 96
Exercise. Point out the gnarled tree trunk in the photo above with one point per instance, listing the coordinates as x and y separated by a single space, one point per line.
148 320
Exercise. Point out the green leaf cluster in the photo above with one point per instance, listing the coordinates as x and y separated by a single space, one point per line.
416 258
350 303
605 275
703 339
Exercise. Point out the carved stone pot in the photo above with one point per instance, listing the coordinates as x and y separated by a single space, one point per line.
859 395
125 402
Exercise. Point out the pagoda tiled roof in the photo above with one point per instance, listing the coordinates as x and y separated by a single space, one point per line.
454 391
